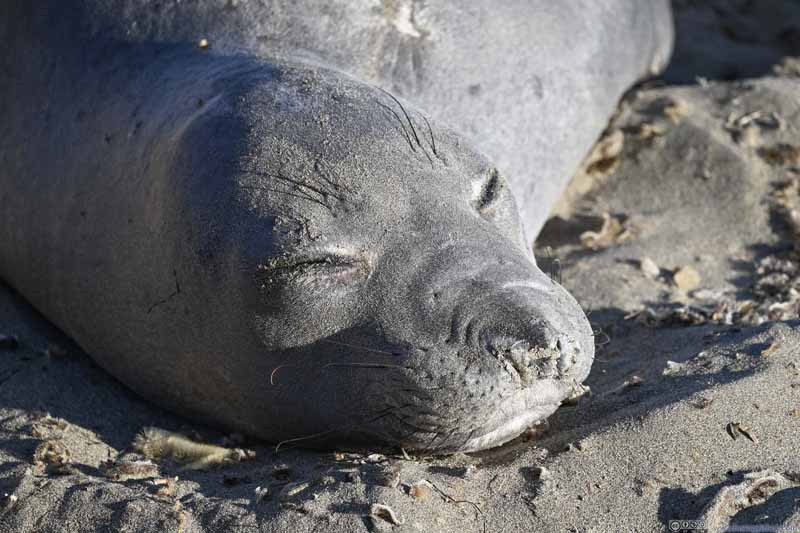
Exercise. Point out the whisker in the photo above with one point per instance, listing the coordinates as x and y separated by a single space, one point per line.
358 347
334 430
450 499
288 193
410 123
274 371
306 437
365 365
598 333
403 109
287 179
403 126
320 167
430 132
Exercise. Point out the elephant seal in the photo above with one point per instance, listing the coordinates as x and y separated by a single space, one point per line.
222 206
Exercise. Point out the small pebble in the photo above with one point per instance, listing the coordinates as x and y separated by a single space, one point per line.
634 381
673 368
649 268
420 490
262 493
686 278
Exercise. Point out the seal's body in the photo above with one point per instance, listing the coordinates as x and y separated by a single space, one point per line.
250 232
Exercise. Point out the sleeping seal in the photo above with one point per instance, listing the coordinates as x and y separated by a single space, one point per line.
228 208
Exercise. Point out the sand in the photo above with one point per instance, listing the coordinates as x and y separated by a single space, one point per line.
679 237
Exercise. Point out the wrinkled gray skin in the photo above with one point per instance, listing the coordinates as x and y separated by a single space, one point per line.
257 236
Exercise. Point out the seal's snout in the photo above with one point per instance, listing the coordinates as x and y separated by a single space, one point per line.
553 362
527 347
541 352
495 345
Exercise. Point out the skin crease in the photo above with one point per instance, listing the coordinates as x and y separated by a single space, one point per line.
272 246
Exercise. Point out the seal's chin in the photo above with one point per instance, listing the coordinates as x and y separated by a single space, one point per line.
510 430
520 412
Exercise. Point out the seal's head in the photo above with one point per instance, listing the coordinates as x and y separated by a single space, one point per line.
382 269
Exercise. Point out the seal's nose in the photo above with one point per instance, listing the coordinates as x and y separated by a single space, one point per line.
534 335
545 355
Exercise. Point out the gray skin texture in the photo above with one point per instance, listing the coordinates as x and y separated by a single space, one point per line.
255 235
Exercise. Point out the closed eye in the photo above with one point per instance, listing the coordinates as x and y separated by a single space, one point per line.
488 194
325 269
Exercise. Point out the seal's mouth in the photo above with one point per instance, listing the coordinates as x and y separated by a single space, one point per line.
529 407
500 379
510 430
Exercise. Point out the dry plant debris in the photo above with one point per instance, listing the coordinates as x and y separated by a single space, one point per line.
648 130
53 457
165 487
384 512
129 469
756 489
604 158
673 108
735 429
781 154
157 444
613 231
290 490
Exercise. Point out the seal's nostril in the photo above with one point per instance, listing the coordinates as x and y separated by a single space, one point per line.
569 352
542 351
526 361
520 358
